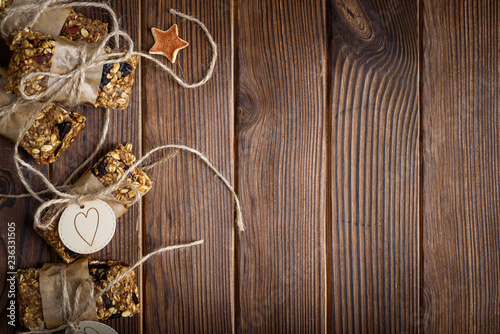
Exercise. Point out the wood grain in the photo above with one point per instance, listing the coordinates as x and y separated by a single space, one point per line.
375 168
461 159
281 158
189 291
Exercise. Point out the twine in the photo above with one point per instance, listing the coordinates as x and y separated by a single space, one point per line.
73 317
71 81
106 193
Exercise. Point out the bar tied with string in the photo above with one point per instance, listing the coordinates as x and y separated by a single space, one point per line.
39 292
105 173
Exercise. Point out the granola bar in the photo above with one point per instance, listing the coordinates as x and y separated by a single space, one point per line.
108 170
77 27
120 301
80 28
33 52
52 132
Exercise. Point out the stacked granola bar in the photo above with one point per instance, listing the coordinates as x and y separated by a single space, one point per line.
53 130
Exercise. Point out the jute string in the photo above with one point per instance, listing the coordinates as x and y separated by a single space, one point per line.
66 198
73 317
72 80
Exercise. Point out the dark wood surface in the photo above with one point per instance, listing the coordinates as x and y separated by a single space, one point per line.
461 167
281 75
374 166
362 137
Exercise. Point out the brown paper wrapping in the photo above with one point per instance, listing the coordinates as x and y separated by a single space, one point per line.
50 22
79 287
12 128
89 183
67 56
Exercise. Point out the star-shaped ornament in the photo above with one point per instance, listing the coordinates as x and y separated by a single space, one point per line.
167 43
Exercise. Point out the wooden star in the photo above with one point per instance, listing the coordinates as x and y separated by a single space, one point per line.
167 43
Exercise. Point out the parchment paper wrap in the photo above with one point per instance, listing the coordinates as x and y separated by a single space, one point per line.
50 22
79 287
12 127
67 56
89 183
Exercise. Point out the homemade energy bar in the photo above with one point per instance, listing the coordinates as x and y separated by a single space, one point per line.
80 28
120 301
33 52
108 170
77 27
52 132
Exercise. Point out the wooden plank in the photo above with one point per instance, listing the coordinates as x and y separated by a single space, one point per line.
281 78
189 291
375 171
461 163
125 126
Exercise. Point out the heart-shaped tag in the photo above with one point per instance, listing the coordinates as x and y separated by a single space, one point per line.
87 228
87 224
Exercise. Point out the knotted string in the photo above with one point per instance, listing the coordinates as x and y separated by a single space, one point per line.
72 80
74 316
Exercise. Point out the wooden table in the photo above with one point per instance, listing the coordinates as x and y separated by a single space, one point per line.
363 140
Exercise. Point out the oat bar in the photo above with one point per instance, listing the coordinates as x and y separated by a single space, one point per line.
33 52
52 132
80 28
108 170
120 301
77 27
